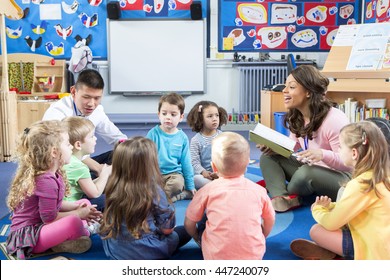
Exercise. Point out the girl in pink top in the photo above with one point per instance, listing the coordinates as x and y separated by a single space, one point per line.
40 218
239 212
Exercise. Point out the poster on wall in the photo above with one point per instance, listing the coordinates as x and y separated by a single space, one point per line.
59 28
287 25
156 8
376 11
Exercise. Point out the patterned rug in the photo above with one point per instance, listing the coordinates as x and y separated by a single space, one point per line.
288 226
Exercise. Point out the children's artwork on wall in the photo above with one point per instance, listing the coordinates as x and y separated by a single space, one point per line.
288 25
158 8
376 11
52 27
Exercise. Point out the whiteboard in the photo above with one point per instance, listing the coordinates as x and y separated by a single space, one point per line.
156 56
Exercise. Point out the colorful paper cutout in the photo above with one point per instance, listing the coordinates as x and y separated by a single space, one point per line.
70 9
55 50
283 13
304 38
252 13
33 44
14 33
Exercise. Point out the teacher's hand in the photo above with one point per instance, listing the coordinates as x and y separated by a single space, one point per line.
264 149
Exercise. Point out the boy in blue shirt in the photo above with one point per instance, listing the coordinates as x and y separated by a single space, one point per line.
173 149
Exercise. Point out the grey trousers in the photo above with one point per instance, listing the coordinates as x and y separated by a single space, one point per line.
284 176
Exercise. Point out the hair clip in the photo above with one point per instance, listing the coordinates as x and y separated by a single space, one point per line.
200 108
121 140
364 138
26 130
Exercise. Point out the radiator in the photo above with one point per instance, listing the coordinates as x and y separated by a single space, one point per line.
252 80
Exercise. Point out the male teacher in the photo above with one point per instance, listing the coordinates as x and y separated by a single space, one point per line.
84 101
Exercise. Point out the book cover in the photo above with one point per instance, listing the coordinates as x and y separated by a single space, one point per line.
276 141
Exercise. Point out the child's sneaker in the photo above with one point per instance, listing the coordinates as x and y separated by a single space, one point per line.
76 246
94 228
182 196
308 250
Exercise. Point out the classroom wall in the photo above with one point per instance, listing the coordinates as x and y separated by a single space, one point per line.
222 79
222 87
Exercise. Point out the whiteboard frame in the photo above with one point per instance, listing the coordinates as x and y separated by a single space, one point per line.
160 61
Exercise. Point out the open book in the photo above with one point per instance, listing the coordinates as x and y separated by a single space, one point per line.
276 141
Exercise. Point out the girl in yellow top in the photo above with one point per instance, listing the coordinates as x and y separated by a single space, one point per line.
358 225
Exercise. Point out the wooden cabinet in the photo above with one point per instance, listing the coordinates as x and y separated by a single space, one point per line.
43 70
271 102
359 89
30 111
18 111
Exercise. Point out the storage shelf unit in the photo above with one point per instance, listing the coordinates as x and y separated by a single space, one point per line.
46 69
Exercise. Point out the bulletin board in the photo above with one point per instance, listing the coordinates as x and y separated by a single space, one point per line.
53 27
289 25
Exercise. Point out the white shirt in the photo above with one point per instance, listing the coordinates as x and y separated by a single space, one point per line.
103 126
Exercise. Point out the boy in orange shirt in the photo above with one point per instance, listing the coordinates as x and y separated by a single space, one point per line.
239 212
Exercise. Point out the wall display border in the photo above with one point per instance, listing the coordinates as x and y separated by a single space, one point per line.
54 27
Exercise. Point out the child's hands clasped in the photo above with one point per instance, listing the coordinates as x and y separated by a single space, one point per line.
323 201
89 212
209 175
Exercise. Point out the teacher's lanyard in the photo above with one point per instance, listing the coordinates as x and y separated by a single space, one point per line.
306 142
75 109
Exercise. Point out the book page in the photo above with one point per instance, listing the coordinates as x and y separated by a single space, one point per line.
276 141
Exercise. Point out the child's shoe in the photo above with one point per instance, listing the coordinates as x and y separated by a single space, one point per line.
184 195
76 246
308 250
94 228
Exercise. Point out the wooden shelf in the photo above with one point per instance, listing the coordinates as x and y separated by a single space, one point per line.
357 84
46 69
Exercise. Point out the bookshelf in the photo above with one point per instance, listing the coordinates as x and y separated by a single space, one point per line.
356 82
24 109
45 69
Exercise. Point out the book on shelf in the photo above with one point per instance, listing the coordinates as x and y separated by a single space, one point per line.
276 141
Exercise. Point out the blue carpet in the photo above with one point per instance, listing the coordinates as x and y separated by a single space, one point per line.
288 226
7 171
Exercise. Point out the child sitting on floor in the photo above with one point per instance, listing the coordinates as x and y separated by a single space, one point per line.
40 218
205 118
239 213
173 149
138 221
82 138
356 226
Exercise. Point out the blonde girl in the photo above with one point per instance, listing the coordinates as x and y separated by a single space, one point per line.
40 218
138 220
205 118
364 205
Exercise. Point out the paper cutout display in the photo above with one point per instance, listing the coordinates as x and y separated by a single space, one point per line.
289 25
